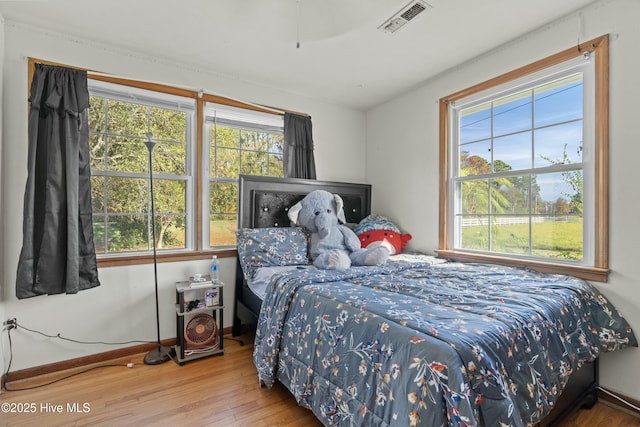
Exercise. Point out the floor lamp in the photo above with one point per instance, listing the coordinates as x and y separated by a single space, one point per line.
161 353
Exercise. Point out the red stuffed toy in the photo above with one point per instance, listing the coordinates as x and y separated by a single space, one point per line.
377 230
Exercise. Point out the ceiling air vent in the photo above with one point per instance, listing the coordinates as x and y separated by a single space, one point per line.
405 15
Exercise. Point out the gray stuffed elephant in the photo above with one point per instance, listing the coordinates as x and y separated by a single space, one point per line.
333 245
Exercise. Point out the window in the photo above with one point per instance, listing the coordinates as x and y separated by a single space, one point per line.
524 171
239 141
119 120
195 173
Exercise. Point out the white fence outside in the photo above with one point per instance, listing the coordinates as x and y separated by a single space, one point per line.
510 220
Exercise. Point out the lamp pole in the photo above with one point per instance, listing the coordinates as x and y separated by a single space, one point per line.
161 353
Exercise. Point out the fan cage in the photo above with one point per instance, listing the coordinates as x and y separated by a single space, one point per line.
201 331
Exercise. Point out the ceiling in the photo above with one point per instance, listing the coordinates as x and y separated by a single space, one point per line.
342 57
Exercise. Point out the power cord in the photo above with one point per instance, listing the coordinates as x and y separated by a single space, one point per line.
81 342
238 340
5 376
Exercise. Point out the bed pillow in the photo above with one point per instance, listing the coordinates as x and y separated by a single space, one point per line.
268 247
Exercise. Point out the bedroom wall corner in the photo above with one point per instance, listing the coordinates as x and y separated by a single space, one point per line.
406 183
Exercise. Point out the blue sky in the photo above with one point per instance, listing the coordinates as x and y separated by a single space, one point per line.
550 116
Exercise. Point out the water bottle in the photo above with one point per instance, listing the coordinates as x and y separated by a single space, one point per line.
214 270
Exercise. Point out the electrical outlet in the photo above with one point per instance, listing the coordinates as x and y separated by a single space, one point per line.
9 324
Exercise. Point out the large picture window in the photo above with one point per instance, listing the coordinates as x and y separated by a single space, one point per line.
524 177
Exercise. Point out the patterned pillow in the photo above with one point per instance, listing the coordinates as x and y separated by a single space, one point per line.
267 247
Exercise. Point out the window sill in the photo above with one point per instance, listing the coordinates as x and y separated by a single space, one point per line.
147 258
594 274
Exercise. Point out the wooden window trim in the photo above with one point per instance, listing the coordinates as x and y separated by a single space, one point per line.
115 261
600 270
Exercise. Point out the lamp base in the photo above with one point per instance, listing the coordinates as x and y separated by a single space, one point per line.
159 355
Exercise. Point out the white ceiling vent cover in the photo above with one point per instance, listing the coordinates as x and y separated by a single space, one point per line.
405 15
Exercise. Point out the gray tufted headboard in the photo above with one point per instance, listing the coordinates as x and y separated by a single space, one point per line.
265 201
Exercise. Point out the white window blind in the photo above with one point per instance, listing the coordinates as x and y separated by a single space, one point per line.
243 118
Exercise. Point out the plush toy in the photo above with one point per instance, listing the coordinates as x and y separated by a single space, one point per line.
378 231
332 244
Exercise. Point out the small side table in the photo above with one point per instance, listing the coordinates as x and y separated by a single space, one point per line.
199 320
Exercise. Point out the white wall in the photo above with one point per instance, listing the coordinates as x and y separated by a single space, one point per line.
406 184
2 282
123 308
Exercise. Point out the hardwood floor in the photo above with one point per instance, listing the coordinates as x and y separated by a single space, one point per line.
220 390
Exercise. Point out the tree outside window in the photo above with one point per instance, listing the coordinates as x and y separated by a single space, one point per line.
240 142
120 176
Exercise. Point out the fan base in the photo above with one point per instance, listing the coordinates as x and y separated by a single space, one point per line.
159 355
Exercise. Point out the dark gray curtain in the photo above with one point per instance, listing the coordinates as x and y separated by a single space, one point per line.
299 161
58 253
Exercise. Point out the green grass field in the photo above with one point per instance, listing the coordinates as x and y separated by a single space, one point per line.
223 232
562 240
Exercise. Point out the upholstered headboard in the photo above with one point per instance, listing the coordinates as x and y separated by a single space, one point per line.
265 201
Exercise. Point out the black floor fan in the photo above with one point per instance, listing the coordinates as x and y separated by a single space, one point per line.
161 353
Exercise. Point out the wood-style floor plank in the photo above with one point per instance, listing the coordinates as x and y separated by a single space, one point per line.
221 390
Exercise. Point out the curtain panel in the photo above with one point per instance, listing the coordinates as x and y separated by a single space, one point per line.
58 252
299 161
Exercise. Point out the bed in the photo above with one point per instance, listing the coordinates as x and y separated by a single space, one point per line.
418 341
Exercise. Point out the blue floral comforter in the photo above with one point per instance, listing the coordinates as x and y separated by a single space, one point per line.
415 344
